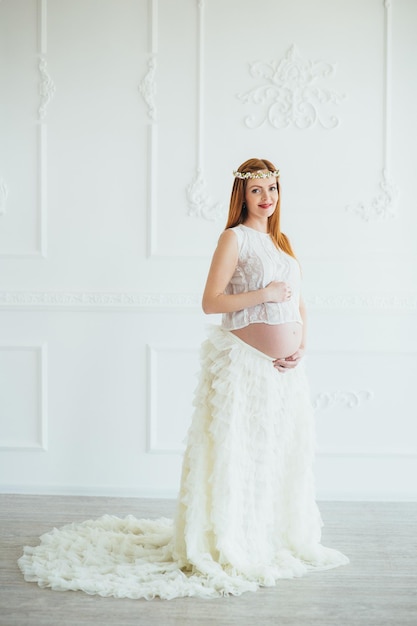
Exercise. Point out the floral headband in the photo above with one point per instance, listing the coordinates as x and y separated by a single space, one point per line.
258 174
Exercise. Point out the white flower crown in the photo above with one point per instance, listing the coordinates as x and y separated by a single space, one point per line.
258 174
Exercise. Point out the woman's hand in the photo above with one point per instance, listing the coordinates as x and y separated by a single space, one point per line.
290 362
278 292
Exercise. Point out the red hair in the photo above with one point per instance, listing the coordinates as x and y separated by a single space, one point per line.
237 208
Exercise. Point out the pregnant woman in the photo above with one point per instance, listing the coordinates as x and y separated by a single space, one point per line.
246 512
247 506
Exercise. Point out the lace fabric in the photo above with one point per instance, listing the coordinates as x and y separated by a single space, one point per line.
259 263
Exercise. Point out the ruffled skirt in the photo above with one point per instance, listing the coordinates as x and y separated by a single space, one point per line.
246 511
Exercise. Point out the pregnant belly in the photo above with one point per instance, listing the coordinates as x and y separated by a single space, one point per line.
276 340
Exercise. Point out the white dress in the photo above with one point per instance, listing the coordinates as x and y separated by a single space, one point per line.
246 512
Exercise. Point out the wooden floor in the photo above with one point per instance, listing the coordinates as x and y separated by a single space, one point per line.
378 588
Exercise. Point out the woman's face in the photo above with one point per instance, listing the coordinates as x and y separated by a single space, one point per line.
261 197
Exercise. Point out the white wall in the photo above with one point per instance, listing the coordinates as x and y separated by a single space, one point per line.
121 122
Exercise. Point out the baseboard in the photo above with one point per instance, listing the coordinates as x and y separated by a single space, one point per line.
89 491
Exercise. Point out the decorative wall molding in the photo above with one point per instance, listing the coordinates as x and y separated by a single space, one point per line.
391 302
41 443
291 92
97 300
347 399
199 204
384 205
367 454
46 88
364 445
4 192
147 87
134 300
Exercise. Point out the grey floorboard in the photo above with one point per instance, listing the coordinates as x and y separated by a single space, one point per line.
378 588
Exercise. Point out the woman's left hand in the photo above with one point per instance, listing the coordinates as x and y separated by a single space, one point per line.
290 362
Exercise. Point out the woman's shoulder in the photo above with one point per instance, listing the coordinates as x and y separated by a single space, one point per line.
233 229
234 232
227 237
230 240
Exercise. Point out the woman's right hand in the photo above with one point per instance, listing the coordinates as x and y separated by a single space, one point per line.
278 292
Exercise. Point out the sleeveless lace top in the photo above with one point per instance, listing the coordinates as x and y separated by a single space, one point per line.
258 264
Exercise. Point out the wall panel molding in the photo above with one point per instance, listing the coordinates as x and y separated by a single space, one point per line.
46 92
199 203
384 205
147 89
40 443
158 391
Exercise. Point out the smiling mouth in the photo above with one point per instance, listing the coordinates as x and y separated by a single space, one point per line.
265 206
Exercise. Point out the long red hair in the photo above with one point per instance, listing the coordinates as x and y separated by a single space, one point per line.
237 208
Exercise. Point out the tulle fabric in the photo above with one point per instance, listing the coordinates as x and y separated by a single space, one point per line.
246 512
